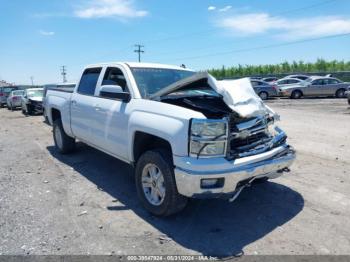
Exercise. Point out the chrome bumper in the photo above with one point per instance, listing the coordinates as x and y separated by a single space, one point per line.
190 171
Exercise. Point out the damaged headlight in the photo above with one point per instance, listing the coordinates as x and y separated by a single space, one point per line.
208 138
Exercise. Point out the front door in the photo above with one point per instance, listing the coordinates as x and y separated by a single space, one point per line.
110 121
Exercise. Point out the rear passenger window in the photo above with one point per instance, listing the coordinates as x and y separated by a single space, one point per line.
88 81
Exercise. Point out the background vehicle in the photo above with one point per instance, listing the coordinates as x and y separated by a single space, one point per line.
32 101
288 82
347 93
15 99
317 86
178 128
4 93
301 77
263 89
270 79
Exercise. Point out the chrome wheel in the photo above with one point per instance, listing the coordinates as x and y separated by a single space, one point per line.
58 138
153 184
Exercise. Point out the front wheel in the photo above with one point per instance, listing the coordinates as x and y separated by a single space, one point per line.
63 143
296 94
155 183
263 95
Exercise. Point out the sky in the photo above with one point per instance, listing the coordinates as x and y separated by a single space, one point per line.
40 36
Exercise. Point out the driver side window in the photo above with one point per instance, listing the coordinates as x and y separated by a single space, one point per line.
114 76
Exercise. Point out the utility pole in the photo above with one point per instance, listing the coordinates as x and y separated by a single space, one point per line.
139 51
64 73
32 80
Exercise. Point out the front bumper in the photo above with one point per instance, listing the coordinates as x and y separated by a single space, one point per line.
37 107
189 171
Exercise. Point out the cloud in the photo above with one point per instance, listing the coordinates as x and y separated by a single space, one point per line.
211 8
46 33
225 9
109 8
260 23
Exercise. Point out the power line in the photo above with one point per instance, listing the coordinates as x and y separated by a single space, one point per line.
244 40
139 51
262 47
215 29
64 73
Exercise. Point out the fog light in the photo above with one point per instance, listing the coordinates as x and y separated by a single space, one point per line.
212 183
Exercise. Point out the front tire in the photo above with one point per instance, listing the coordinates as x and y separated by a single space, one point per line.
296 94
264 95
156 185
63 143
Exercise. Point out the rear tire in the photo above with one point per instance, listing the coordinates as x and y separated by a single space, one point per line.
340 93
296 94
171 202
63 143
264 95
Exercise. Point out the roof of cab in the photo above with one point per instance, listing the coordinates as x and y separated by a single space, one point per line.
140 65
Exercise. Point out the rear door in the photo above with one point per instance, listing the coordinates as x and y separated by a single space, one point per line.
82 105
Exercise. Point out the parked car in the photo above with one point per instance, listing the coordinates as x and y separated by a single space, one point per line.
32 100
270 79
263 89
4 93
288 82
15 99
317 86
301 77
187 134
347 93
61 86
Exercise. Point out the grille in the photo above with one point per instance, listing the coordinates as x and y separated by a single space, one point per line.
248 136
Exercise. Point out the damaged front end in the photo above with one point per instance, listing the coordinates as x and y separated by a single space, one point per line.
237 141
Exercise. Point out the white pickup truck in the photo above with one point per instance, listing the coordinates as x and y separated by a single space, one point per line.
186 134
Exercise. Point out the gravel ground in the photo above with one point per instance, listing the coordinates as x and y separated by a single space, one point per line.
85 203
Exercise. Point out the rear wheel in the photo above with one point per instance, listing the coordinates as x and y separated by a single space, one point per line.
296 94
63 143
340 93
263 95
155 183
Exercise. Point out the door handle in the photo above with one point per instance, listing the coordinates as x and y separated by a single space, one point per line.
97 107
74 102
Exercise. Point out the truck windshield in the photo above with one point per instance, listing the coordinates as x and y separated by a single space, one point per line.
35 93
151 80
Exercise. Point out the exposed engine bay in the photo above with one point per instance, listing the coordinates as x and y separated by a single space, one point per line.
249 133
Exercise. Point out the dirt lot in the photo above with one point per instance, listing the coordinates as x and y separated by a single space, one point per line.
86 203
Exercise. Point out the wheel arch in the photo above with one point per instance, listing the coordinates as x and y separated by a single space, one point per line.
143 142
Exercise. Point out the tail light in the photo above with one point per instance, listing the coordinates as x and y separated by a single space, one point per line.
1 94
274 87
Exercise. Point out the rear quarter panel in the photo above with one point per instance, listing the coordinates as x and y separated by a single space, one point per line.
60 101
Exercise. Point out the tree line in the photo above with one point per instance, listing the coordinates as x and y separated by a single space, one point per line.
320 66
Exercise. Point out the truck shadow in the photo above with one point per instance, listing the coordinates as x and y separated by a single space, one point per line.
211 227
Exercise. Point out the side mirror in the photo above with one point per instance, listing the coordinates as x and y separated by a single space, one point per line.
114 92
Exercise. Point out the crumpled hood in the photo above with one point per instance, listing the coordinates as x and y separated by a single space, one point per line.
239 94
36 98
